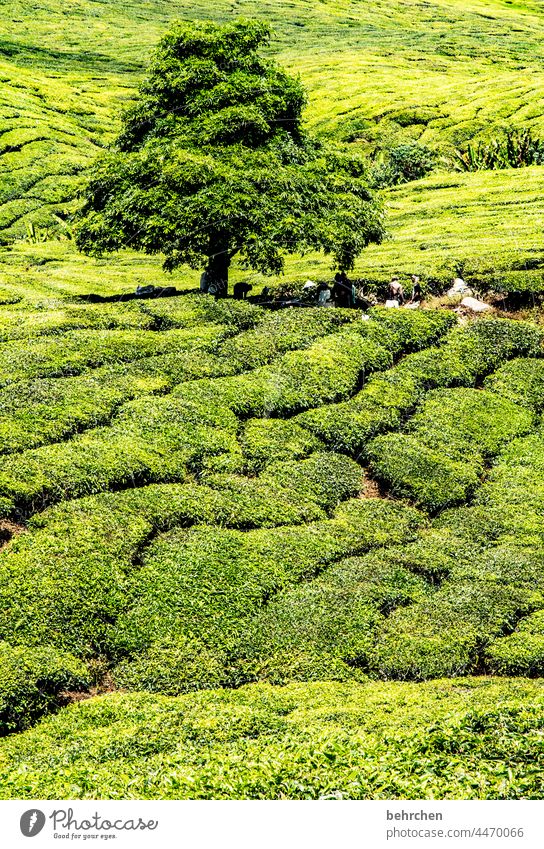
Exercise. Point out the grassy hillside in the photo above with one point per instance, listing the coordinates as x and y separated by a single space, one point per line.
266 554
442 73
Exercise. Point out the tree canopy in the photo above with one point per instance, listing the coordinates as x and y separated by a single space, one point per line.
212 160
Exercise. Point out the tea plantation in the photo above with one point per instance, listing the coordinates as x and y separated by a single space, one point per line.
378 75
285 554
250 553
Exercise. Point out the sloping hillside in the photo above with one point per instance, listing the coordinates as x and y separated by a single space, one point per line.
441 71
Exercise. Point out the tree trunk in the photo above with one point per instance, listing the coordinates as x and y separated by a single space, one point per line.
218 266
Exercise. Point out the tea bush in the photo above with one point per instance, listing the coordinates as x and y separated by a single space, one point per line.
522 381
411 469
31 680
466 355
46 410
65 581
438 461
330 368
522 652
205 583
265 441
458 739
325 628
85 349
150 440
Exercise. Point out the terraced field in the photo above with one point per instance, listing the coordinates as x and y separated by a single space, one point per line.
255 554
442 72
200 495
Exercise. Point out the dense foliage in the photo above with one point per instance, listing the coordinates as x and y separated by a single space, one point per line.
209 494
457 739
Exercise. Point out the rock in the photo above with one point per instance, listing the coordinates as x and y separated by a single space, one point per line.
392 304
474 305
413 306
459 287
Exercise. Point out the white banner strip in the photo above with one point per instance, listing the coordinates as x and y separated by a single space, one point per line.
283 824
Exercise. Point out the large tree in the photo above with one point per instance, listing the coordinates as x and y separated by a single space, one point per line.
212 161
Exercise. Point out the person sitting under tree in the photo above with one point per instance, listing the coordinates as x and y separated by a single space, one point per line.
396 292
342 291
417 294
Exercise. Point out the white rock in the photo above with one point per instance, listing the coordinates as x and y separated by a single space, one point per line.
392 304
459 287
474 305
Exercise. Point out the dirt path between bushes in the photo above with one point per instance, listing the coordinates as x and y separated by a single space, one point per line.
7 531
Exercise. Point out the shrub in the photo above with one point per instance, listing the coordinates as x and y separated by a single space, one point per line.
468 423
517 149
65 581
265 441
464 739
206 583
467 354
176 666
444 634
326 478
151 440
404 163
31 681
520 653
439 460
85 349
282 331
36 412
325 628
412 470
521 381
192 310
329 369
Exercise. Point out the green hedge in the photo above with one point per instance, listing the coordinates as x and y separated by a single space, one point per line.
191 310
324 477
150 440
467 355
37 412
24 323
444 635
282 331
31 681
80 350
411 470
439 459
520 380
460 739
328 370
265 441
325 628
65 582
515 489
520 653
206 583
